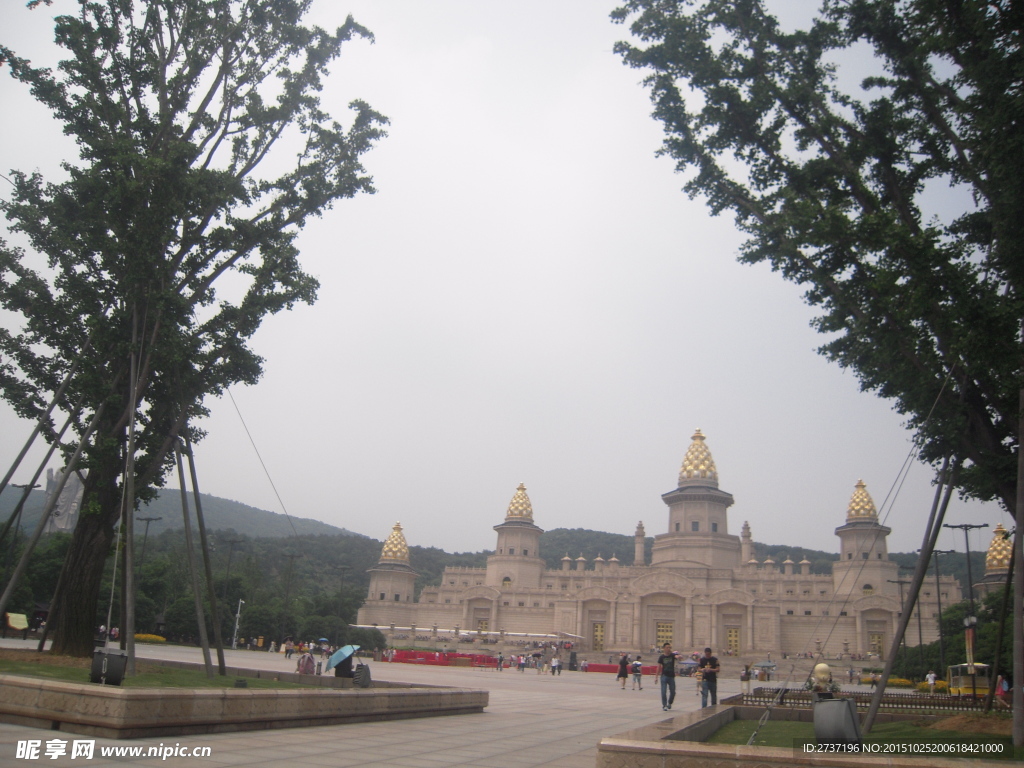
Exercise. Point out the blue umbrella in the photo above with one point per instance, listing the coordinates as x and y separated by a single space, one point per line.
340 655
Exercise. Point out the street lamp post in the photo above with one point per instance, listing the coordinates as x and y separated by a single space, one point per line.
971 620
238 616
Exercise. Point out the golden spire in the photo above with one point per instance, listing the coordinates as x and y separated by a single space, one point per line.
520 507
698 466
998 557
395 549
861 506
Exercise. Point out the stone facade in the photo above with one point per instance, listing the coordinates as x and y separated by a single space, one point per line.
702 587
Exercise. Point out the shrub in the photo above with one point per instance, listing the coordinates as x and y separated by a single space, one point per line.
150 639
941 686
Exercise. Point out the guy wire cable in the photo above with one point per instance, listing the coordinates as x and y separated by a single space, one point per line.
265 470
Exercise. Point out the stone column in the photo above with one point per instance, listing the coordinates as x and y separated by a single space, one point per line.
613 623
749 644
579 623
636 625
859 645
687 624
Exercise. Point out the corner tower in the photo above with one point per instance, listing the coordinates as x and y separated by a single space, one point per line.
698 526
516 562
863 567
392 580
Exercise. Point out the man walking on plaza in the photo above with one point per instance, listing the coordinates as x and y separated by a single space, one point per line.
708 665
667 675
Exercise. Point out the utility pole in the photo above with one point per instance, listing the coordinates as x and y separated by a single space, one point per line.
971 620
920 629
938 597
145 536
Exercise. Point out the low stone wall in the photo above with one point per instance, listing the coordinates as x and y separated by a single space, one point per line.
678 743
129 713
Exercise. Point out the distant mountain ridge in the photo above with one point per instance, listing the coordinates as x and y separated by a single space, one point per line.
218 514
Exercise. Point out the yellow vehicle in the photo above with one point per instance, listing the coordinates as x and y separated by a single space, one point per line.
959 678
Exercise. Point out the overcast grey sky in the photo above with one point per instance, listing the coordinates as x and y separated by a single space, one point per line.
529 297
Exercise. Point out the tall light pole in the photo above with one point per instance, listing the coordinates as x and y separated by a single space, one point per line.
238 616
971 620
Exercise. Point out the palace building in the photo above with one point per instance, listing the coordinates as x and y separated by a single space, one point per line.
702 586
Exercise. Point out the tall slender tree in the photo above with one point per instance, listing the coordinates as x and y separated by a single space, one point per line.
177 107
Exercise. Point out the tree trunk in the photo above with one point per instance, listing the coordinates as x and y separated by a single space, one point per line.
72 621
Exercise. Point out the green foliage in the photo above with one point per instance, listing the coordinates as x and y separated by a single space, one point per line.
179 108
554 545
923 303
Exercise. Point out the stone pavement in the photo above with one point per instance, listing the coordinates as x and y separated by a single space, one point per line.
532 720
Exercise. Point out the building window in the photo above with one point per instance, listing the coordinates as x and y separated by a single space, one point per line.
694 525
849 555
551 605
506 582
807 592
789 591
536 605
511 550
479 583
807 613
521 604
867 589
842 613
549 586
677 526
565 586
864 555
382 596
505 603
526 553
822 593
448 600
452 582
714 527
465 583
398 598
824 613
789 613
879 555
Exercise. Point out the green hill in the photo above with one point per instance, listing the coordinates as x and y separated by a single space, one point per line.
219 514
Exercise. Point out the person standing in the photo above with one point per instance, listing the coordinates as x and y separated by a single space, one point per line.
931 677
556 666
638 671
708 666
667 675
623 673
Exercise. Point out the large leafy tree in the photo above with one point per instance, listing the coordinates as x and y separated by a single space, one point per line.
897 204
837 189
203 149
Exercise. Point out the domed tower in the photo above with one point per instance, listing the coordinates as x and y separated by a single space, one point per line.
997 562
516 562
392 579
863 567
698 526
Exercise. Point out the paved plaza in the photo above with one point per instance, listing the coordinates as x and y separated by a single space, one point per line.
532 720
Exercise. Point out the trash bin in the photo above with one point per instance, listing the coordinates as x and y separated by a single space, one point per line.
361 678
835 722
573 666
108 666
319 667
